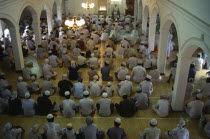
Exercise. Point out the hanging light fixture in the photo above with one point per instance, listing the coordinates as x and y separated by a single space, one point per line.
75 22
88 6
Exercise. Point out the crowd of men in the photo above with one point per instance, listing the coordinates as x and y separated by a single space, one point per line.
80 48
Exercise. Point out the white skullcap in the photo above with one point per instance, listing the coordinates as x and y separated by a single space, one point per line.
20 79
109 84
153 122
85 93
109 54
95 77
199 96
64 76
33 78
64 51
123 64
47 93
46 61
104 95
48 77
181 123
138 88
49 51
139 62
67 93
50 116
92 55
8 126
148 77
191 79
127 77
118 120
69 125
107 62
27 95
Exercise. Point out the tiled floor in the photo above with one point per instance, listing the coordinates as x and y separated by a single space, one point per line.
132 125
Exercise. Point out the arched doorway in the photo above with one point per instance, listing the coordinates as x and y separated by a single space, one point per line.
13 54
191 48
166 42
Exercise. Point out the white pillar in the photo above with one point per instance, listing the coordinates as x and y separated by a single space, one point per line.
144 24
180 83
37 29
66 5
17 48
136 9
152 30
59 13
139 10
1 29
162 50
49 22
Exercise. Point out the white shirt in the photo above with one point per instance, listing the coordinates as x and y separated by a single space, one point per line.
142 101
52 130
198 63
81 60
105 104
126 87
22 88
205 90
162 108
95 88
86 106
53 60
195 108
26 73
147 87
121 73
138 74
28 107
151 133
68 108
93 62
132 62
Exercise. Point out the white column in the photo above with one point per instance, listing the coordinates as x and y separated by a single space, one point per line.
37 29
180 83
139 10
144 24
162 50
17 48
152 30
67 9
49 22
59 13
136 9
1 29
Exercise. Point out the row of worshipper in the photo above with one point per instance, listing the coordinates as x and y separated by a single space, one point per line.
90 130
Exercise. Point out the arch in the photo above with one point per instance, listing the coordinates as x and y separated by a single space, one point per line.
145 19
8 19
155 11
146 12
191 45
140 10
30 8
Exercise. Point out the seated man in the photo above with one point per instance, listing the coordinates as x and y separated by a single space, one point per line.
93 62
121 72
195 107
153 132
142 100
105 106
179 132
161 107
78 89
147 86
27 74
205 90
86 105
47 70
116 132
125 87
90 130
126 108
28 105
64 85
48 85
22 87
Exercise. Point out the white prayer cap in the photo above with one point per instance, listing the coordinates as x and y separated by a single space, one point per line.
199 96
46 61
107 62
92 55
123 64
140 62
85 93
109 84
35 128
47 93
109 55
69 125
127 77
148 77
7 126
33 78
138 88
118 120
64 76
14 94
153 122
95 77
64 51
50 116
190 79
67 93
20 79
50 52
104 95
27 95
181 123
48 77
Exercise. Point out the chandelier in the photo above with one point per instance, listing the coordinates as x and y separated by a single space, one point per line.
75 22
88 6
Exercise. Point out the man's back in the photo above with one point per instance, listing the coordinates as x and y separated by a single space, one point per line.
126 108
116 133
90 131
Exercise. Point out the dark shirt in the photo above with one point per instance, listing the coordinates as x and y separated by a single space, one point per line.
88 54
105 73
44 105
116 133
73 73
126 108
15 106
192 73
64 86
54 52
